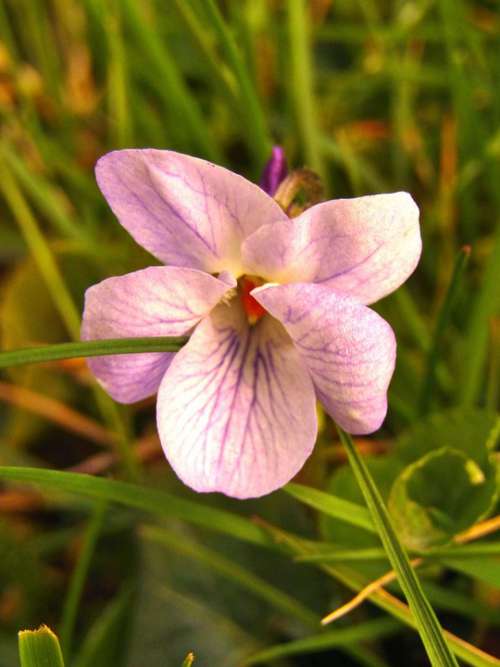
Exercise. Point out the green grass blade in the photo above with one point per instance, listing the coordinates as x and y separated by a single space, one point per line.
368 631
42 194
255 123
40 250
158 503
218 70
170 84
444 597
338 508
235 572
427 623
344 555
301 81
118 84
39 648
392 605
90 348
77 583
334 555
484 308
443 319
96 645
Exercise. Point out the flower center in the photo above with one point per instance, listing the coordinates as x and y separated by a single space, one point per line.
254 311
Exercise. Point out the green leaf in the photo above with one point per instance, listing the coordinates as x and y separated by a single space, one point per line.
466 429
231 570
440 495
356 582
91 348
367 631
132 495
104 644
332 506
179 608
39 648
384 469
482 569
427 623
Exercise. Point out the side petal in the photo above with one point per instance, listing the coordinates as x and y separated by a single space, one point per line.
185 211
236 409
349 349
158 301
364 247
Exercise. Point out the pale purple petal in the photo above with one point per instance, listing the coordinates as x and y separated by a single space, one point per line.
275 171
236 409
158 301
349 349
185 211
364 247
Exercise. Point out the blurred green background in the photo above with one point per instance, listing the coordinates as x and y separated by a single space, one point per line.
373 95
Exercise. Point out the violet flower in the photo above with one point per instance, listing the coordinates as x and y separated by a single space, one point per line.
276 310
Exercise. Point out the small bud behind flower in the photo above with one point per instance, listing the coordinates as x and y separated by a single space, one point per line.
275 171
300 190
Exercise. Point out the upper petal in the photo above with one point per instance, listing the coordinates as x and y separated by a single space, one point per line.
364 247
236 409
185 211
157 301
349 349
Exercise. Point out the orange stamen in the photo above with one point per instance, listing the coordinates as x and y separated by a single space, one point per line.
254 311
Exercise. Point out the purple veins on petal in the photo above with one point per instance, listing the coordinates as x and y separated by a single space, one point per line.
236 409
184 210
275 171
364 247
349 350
236 405
157 301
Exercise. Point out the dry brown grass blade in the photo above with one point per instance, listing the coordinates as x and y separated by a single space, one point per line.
479 530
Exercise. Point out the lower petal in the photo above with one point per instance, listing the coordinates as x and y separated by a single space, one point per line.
157 301
349 349
236 409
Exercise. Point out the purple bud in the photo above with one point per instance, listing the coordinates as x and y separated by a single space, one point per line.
275 171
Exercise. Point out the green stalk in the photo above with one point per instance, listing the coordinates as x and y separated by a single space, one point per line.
427 623
89 348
